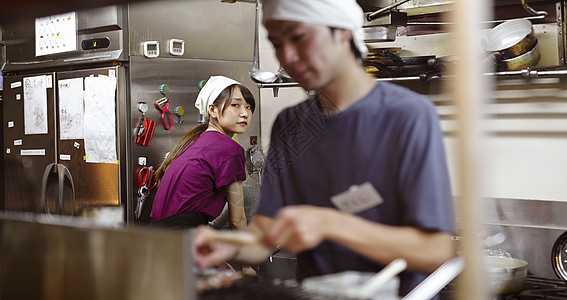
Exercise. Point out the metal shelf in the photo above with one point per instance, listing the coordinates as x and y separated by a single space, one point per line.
295 84
277 86
529 73
526 73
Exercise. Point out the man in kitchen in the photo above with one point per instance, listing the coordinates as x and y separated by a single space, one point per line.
356 175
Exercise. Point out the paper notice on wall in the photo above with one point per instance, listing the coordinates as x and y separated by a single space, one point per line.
71 108
55 34
35 105
100 119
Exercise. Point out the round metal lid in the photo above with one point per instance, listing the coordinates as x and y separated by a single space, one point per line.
559 256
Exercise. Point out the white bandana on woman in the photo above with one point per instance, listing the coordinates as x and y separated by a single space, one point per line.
209 93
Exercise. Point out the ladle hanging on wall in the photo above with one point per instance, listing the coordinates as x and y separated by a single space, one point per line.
260 76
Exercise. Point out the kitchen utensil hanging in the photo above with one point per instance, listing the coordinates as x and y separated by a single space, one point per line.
145 132
283 76
260 76
145 129
165 116
146 182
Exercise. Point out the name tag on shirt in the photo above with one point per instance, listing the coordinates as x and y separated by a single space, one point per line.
357 198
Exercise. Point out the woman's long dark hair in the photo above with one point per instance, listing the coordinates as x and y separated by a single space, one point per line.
190 137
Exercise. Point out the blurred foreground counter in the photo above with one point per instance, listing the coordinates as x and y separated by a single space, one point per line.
64 258
46 257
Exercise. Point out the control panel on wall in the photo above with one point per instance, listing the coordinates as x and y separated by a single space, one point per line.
150 49
97 43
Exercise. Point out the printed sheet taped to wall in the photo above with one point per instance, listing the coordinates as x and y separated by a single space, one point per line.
35 105
71 108
100 119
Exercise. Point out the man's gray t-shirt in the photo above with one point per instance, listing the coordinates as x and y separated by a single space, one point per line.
390 138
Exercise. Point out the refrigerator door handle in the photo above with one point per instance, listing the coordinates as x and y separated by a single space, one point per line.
46 174
62 174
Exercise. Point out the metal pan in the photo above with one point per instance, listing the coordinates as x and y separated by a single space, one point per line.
382 70
505 275
521 62
395 60
510 39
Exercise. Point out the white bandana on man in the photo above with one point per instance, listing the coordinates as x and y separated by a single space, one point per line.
344 14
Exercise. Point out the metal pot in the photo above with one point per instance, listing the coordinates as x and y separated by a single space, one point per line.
510 39
505 275
521 62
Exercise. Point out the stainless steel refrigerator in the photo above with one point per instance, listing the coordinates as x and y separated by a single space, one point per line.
46 168
154 50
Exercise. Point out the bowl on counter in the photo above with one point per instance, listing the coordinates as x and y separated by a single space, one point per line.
346 285
504 274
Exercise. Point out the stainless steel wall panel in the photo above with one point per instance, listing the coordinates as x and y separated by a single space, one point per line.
211 29
531 244
525 229
102 18
519 212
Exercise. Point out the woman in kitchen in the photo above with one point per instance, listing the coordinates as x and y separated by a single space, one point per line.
353 137
205 169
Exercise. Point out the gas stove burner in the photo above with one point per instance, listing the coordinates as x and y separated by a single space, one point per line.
540 288
555 293
536 288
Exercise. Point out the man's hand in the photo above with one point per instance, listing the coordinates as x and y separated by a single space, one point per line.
299 228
